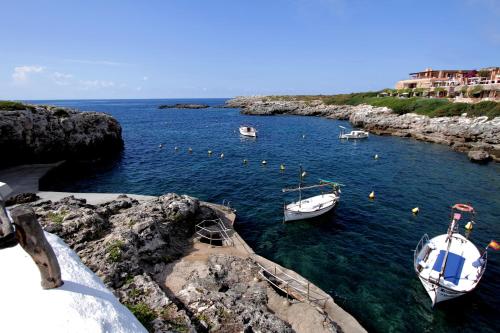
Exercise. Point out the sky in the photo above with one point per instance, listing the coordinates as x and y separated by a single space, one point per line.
97 49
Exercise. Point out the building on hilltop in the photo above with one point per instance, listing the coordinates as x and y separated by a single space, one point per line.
483 84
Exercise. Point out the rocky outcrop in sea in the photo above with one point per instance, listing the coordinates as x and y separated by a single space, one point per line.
478 136
183 106
128 243
45 134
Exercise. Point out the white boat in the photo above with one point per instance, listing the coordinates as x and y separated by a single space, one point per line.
352 134
248 131
449 265
312 206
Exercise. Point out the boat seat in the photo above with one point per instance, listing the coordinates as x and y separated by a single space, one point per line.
454 265
423 264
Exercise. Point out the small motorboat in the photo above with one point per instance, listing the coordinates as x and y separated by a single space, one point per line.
352 134
450 265
312 206
248 131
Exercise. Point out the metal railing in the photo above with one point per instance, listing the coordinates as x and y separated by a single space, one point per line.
214 230
423 241
292 287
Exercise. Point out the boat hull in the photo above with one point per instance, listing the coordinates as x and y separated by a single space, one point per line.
245 132
294 215
438 293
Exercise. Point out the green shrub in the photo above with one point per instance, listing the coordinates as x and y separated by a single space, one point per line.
115 250
143 313
12 106
61 113
56 217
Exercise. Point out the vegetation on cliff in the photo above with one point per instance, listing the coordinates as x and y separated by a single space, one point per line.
432 107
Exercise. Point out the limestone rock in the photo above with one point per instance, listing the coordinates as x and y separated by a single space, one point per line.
479 156
46 134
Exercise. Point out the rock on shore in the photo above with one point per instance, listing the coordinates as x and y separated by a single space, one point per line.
46 134
460 133
127 244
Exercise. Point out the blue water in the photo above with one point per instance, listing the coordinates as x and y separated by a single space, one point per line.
362 253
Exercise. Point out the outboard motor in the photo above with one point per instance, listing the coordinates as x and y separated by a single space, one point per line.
7 228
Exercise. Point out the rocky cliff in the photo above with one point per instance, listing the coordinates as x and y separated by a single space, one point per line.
478 136
44 134
128 244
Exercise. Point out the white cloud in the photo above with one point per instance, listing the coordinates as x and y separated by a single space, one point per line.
93 84
61 79
21 73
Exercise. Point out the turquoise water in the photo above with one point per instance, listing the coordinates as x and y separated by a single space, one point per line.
362 252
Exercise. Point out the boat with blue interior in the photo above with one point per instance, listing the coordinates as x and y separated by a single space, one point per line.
450 265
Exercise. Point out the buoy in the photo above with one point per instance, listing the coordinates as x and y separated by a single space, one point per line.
282 167
161 145
303 136
190 150
304 174
245 161
209 152
469 226
415 210
222 155
376 156
372 195
264 162
176 148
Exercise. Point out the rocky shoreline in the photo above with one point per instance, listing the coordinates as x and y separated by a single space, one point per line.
133 245
479 137
40 134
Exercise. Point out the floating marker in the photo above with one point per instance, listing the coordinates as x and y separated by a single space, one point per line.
209 152
282 167
245 161
304 174
161 145
190 150
222 155
372 195
415 210
376 156
264 162
176 148
469 226
303 136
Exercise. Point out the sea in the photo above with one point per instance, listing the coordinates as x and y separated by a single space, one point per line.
362 252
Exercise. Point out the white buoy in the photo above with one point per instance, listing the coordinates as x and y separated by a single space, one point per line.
415 210
176 148
245 161
222 155
304 174
376 156
264 162
209 152
372 195
190 150
303 136
161 145
282 167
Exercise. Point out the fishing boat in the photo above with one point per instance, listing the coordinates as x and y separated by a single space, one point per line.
450 265
352 134
313 206
248 131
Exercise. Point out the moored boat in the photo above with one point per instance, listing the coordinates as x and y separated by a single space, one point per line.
313 206
248 131
352 134
450 265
